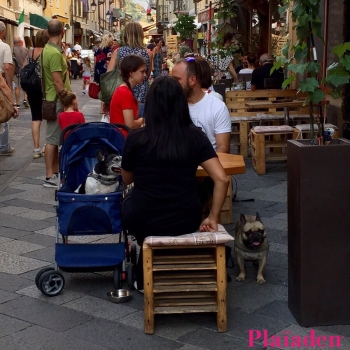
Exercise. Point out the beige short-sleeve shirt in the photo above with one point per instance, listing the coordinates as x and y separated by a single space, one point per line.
5 54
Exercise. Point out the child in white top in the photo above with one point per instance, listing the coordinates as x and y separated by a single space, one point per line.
86 73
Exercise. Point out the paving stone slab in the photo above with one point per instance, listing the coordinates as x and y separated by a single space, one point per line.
12 233
4 240
41 338
102 308
36 214
278 259
210 339
115 335
10 325
12 210
12 283
19 247
191 347
64 297
44 314
36 238
10 190
19 223
277 309
46 254
16 264
6 296
278 247
31 205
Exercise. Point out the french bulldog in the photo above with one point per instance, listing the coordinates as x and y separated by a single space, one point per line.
251 244
105 175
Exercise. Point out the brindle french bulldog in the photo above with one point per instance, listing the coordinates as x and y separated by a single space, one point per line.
251 244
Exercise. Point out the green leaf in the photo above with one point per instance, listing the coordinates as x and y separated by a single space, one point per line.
285 48
288 81
212 21
313 67
316 96
341 49
300 54
336 93
337 79
297 68
283 8
310 84
345 61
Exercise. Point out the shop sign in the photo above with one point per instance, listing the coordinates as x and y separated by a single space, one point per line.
204 16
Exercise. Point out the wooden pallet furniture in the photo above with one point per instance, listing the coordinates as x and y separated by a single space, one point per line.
302 131
242 118
263 138
185 274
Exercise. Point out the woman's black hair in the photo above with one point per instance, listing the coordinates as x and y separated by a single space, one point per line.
206 80
167 120
130 63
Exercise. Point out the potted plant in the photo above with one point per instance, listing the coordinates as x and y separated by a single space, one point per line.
185 27
318 184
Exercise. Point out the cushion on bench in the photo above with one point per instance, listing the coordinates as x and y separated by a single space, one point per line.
244 119
306 127
264 116
272 129
197 238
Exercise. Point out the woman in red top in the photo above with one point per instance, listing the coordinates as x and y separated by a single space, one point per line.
124 105
71 114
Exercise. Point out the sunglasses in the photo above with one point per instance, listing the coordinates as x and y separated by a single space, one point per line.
192 60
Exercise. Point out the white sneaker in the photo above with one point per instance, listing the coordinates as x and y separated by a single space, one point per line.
51 182
37 153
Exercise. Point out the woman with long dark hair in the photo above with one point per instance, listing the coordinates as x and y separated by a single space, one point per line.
162 159
124 105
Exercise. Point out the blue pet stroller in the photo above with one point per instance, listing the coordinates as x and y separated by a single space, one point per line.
86 214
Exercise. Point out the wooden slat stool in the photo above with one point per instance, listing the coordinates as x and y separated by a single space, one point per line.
185 274
263 137
303 131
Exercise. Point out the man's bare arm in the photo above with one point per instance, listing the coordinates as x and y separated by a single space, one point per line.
223 142
9 72
57 81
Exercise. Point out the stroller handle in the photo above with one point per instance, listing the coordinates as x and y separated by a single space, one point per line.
71 127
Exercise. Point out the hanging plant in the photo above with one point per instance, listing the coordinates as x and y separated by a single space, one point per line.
301 58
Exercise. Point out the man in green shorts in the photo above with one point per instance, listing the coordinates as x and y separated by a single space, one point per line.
56 77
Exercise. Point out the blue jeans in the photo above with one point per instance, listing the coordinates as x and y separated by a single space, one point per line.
4 138
141 109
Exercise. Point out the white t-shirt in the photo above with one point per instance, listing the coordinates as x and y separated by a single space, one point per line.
215 94
212 116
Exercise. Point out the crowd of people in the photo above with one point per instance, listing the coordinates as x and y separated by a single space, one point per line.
176 123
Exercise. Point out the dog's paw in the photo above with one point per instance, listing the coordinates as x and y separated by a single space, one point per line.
240 278
260 280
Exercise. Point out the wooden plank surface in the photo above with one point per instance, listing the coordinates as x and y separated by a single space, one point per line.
184 309
175 267
148 290
185 260
185 288
185 302
184 295
221 317
183 281
270 104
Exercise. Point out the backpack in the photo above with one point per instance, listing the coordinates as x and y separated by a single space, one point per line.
29 77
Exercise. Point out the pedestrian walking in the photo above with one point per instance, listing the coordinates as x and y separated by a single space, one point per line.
157 58
6 68
55 78
86 73
34 94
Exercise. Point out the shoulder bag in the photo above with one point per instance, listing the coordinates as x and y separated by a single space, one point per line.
109 82
6 108
94 90
48 107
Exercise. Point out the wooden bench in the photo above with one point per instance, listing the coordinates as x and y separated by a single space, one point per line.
263 138
242 118
185 274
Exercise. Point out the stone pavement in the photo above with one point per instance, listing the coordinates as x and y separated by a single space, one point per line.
81 317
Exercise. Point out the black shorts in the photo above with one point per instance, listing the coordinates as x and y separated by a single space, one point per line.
35 102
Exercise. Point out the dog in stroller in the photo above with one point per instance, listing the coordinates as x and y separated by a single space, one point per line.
80 214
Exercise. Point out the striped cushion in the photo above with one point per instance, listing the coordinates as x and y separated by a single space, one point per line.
197 238
306 127
272 129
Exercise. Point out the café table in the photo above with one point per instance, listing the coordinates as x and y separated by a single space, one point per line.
286 105
233 164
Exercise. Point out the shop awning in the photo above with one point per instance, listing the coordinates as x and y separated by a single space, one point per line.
38 21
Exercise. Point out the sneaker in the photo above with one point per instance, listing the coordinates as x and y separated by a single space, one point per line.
7 152
17 105
37 153
51 182
139 290
26 104
83 92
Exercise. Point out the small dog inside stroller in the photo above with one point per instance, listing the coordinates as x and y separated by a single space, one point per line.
87 214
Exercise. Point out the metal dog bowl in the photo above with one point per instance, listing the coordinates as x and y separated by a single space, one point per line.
119 296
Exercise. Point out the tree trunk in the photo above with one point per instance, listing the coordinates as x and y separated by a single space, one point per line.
346 37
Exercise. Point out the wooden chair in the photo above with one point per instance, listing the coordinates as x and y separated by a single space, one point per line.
185 274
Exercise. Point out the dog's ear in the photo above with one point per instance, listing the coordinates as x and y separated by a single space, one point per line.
257 217
100 155
242 219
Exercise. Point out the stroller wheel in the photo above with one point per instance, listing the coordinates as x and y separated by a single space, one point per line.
39 274
51 283
131 276
117 277
133 254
